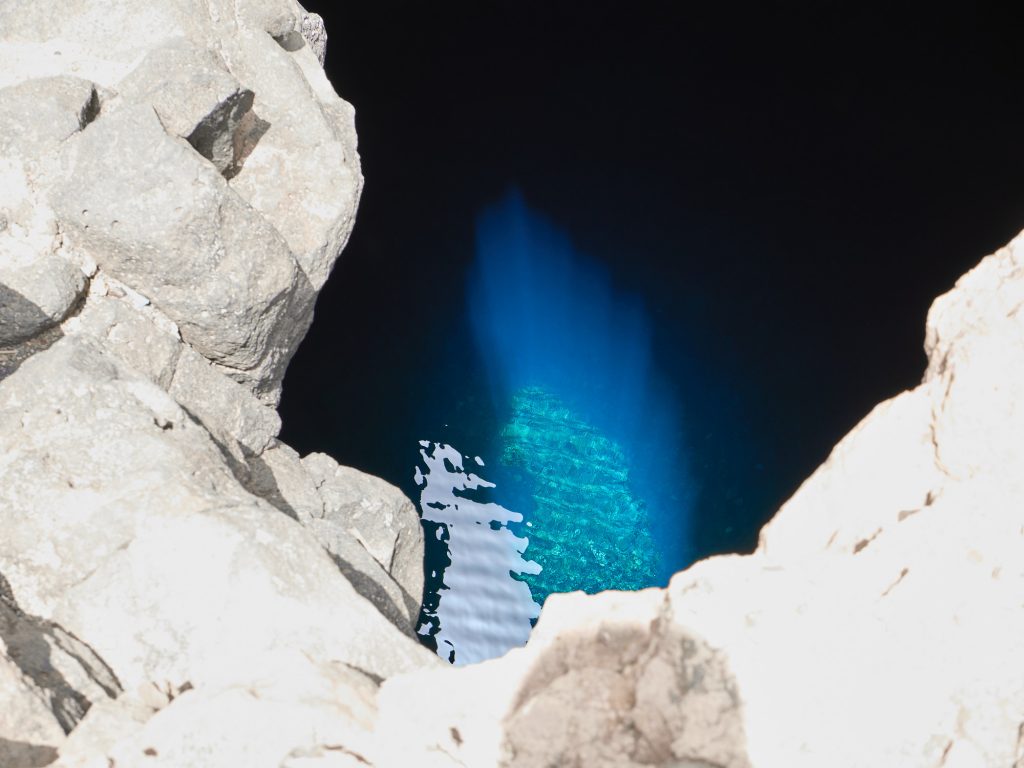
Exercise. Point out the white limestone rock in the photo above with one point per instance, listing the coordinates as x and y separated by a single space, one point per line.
109 722
893 446
38 288
67 673
124 526
176 181
607 680
42 112
156 215
294 711
196 98
336 510
315 35
94 40
29 730
376 514
239 422
239 81
48 681
303 174
140 336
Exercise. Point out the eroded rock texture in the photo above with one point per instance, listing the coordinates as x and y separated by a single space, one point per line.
179 588
176 586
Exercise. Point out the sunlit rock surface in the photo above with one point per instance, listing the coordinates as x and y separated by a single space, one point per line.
178 588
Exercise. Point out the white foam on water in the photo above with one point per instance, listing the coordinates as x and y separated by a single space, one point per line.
482 612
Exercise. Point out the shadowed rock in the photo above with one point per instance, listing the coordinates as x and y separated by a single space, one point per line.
196 98
45 111
48 681
37 291
370 529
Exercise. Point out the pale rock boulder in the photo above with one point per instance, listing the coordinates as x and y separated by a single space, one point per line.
893 446
315 35
239 82
606 680
303 174
38 288
238 420
196 98
42 112
26 219
109 722
127 326
176 183
376 514
891 656
142 337
279 477
156 215
125 527
29 730
37 291
975 344
346 512
97 41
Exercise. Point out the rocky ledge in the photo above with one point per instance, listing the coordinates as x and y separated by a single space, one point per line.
179 588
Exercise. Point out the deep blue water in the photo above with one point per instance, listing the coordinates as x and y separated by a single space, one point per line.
601 427
587 447
755 213
548 320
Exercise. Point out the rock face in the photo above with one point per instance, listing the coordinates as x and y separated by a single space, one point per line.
175 184
178 587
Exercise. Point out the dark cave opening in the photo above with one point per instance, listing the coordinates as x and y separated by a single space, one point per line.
786 192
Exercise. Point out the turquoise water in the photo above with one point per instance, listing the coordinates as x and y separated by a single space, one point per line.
588 479
587 529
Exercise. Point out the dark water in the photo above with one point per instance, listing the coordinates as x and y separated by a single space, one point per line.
740 220
586 450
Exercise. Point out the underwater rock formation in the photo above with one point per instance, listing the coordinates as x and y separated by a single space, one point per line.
179 588
572 465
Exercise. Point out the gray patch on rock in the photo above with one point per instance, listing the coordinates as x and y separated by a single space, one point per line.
23 754
315 35
197 99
